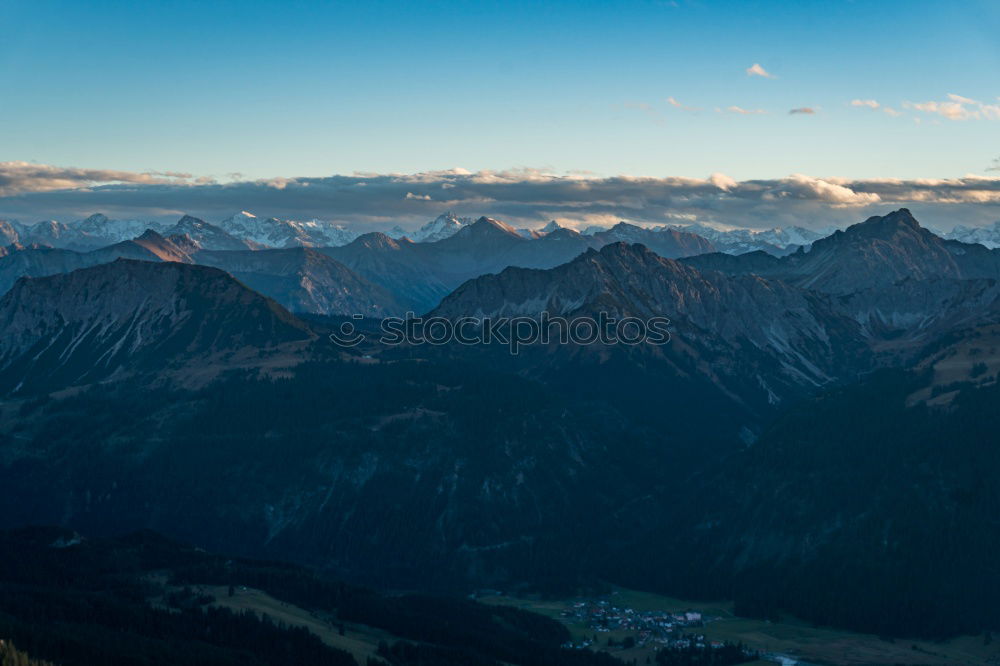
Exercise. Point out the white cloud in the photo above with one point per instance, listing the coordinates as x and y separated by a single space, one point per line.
800 186
949 110
744 112
722 181
17 177
756 70
875 106
677 105
523 197
961 100
870 103
957 107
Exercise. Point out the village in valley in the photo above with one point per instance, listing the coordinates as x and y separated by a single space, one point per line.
648 628
639 627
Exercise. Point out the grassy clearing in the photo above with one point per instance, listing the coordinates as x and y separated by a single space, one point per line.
360 640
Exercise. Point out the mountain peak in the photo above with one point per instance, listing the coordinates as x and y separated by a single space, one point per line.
243 214
443 226
562 232
622 250
150 235
209 236
175 248
191 220
490 225
376 240
897 219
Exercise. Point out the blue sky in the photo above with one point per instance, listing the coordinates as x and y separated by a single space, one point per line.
316 88
151 109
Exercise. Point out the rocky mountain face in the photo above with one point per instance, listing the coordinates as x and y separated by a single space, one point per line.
43 261
174 248
476 248
669 243
301 279
117 318
400 266
208 236
910 315
305 280
8 234
875 253
808 340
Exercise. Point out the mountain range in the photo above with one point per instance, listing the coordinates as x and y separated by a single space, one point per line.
273 232
374 274
875 253
777 241
245 230
823 411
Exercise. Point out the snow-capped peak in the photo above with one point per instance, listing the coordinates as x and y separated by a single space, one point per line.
440 228
277 233
737 240
988 236
99 228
